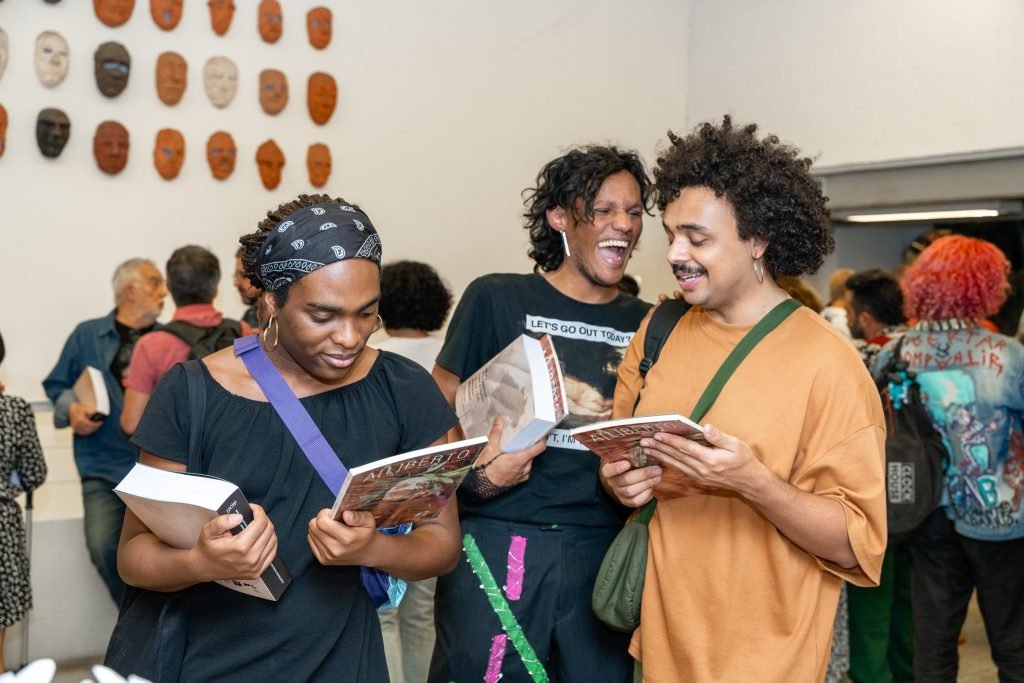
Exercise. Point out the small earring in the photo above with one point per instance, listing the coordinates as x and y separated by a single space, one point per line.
759 271
266 333
379 324
565 243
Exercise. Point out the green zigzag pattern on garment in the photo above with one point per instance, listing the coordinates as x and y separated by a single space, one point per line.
509 624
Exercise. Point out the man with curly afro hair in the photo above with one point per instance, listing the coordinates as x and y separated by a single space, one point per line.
547 518
755 531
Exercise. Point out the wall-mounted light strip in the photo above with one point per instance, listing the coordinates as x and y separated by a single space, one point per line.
920 216
934 212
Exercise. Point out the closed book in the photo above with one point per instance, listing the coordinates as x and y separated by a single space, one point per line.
412 487
91 391
523 385
615 440
176 505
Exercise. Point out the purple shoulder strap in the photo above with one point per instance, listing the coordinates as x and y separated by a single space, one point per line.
309 437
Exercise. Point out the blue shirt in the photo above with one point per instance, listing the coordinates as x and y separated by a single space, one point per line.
972 383
106 453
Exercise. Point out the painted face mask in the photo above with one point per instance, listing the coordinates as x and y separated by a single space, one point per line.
51 58
169 153
112 66
270 160
273 91
271 25
110 147
53 128
318 26
4 47
166 13
321 97
318 163
171 77
220 154
3 129
113 13
221 14
220 79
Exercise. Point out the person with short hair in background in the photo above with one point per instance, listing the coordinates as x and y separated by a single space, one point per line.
249 293
103 454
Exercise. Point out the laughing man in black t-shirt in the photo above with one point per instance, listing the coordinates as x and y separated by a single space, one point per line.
540 517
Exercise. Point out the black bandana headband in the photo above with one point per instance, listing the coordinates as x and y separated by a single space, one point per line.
314 237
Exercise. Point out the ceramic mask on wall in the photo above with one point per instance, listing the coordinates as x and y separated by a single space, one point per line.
318 163
112 66
166 13
3 129
220 79
221 14
271 22
169 153
171 77
52 58
321 97
110 147
53 128
318 26
220 154
113 13
270 160
273 91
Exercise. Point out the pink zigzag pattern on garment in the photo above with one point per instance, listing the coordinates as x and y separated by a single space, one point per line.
516 568
496 659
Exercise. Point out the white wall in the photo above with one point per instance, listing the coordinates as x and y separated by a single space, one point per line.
862 81
447 110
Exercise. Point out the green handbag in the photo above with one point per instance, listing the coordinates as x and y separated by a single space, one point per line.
620 580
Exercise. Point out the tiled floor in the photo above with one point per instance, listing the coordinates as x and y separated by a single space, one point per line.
975 661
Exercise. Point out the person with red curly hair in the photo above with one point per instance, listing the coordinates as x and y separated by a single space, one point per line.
972 382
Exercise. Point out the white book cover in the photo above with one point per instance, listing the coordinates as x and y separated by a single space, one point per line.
91 391
523 385
176 505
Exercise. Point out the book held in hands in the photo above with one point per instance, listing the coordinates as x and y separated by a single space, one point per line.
523 385
411 487
176 505
91 392
615 440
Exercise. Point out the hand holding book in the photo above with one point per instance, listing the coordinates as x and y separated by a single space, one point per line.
221 555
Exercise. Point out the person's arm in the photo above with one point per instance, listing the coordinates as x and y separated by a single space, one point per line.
815 523
29 461
144 561
58 383
431 549
134 405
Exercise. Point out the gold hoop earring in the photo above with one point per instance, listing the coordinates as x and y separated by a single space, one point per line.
379 324
266 333
759 271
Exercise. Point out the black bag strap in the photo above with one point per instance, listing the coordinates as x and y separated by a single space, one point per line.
763 327
662 322
197 408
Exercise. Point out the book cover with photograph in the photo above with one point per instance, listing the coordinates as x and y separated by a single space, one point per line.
176 505
411 487
615 440
523 385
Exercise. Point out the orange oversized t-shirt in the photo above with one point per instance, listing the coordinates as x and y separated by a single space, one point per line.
727 597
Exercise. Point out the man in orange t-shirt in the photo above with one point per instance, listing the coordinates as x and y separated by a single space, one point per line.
753 533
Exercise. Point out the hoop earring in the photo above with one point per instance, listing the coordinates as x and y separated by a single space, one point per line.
266 333
379 324
759 271
565 243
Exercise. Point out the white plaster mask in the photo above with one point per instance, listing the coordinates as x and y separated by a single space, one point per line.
220 79
3 52
52 58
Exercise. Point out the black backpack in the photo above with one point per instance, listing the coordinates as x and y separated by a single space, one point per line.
663 321
205 340
915 457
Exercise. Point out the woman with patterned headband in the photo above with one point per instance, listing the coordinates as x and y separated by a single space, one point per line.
317 261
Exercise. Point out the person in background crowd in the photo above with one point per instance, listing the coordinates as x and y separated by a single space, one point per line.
835 312
103 454
250 294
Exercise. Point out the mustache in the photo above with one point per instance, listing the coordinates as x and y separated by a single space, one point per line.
680 270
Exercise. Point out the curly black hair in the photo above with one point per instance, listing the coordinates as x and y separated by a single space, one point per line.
576 175
252 242
768 184
878 293
413 296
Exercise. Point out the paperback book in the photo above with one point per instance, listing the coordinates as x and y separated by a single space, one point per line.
615 440
176 505
91 391
523 385
411 487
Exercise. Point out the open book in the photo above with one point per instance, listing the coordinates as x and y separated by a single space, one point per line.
91 392
411 487
523 385
176 505
620 439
